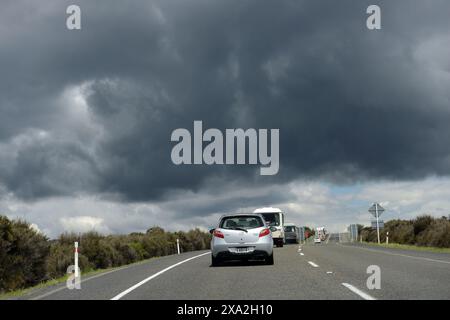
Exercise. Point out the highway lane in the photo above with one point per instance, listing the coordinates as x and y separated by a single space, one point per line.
316 272
290 278
404 274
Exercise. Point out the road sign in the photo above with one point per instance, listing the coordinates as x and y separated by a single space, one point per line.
353 229
376 208
380 224
302 233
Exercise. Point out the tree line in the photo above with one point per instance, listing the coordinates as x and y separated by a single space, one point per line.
28 257
424 230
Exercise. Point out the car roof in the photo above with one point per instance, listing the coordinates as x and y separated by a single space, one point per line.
241 214
289 224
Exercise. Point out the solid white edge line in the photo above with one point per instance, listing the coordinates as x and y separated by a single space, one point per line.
137 285
360 293
313 264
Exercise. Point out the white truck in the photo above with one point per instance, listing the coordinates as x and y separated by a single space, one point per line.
274 218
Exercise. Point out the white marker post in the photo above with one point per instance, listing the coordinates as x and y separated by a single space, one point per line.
76 260
178 246
387 237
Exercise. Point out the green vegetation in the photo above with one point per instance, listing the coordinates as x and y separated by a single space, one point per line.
28 258
423 231
21 292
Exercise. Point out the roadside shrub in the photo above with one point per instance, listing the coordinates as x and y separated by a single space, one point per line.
23 254
437 234
421 223
424 230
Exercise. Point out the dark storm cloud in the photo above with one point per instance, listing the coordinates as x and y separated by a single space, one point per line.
351 104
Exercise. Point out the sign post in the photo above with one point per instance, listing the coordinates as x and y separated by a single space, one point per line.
377 210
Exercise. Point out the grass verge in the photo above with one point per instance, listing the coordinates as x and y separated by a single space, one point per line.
409 247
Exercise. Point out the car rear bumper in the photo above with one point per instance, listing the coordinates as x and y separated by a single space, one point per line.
256 254
226 251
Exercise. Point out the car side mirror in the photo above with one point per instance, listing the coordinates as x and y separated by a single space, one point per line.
273 229
212 230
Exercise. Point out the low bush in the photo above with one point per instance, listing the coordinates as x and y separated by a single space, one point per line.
424 230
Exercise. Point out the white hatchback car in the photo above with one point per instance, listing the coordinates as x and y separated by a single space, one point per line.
241 237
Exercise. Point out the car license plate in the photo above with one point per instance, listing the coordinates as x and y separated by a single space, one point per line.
241 250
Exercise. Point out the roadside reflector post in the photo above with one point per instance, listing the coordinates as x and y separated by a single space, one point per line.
387 237
178 246
76 261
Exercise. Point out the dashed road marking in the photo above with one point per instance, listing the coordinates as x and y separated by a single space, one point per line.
313 264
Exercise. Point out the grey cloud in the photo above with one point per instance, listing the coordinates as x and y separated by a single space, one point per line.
351 105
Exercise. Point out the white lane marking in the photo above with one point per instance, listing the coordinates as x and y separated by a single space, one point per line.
329 272
313 264
137 285
398 254
302 254
360 293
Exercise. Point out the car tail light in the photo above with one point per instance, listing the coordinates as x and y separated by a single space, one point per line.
218 234
264 232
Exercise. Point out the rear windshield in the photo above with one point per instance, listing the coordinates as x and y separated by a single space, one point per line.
273 219
246 222
289 229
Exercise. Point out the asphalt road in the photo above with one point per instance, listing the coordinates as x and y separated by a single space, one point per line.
321 271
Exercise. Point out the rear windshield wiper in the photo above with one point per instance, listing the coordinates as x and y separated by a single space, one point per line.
241 229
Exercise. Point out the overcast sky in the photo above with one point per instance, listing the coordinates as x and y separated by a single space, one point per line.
86 116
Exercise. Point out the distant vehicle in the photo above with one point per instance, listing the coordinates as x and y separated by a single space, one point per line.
274 217
291 233
317 240
321 233
241 237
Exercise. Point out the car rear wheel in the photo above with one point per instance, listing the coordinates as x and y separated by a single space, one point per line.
269 260
215 261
